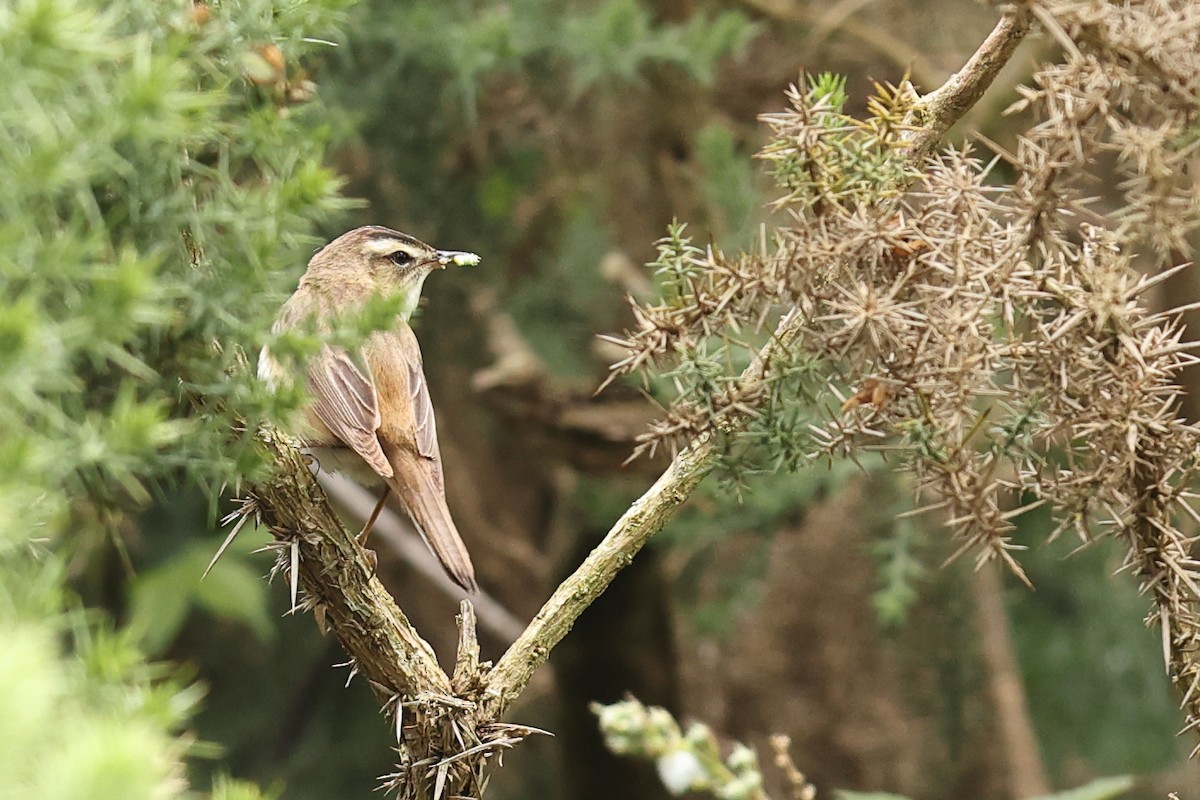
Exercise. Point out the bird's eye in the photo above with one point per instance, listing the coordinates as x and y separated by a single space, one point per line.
401 258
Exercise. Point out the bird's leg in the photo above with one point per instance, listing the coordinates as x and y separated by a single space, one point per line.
362 537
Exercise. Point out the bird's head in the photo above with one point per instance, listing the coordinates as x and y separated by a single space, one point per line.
384 261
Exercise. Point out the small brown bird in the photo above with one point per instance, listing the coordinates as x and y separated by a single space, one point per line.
370 414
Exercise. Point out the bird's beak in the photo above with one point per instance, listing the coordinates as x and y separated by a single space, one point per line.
456 257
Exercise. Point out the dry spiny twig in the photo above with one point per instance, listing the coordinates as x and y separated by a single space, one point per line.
998 347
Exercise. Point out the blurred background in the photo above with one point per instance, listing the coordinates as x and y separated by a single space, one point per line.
558 139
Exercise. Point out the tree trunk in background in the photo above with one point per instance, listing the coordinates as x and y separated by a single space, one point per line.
624 644
899 711
1016 745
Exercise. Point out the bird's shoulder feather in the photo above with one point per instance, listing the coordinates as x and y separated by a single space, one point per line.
394 359
346 402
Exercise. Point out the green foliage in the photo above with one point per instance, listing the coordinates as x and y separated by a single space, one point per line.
1099 789
617 39
600 43
761 428
677 263
163 597
153 200
88 721
731 191
821 155
227 789
160 191
830 89
1084 626
900 571
706 366
553 317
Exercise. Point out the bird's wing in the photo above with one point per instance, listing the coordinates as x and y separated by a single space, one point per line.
408 434
425 427
344 400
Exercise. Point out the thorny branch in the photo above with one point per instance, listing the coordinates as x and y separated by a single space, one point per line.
938 111
443 736
339 584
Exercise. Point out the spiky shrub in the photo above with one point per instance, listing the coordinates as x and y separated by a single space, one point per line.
990 344
160 165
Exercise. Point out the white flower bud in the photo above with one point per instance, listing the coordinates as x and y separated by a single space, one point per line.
741 759
678 770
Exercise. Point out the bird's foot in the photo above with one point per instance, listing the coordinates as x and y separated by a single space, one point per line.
366 531
310 461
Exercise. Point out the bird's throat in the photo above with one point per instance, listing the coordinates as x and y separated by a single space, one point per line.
410 296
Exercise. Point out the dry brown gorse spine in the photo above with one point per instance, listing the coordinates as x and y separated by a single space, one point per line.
985 337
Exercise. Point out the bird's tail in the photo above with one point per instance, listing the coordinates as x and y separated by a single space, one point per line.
425 503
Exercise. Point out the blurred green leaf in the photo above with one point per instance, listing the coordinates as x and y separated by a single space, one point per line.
162 597
1099 789
235 591
159 605
225 788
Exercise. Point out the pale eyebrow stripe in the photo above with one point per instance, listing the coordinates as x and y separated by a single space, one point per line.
385 247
